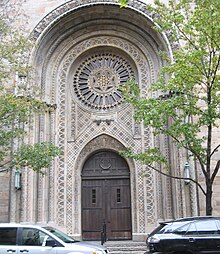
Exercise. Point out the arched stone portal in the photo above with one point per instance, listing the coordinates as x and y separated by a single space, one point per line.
106 197
85 51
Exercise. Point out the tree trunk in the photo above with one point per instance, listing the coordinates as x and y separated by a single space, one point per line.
208 198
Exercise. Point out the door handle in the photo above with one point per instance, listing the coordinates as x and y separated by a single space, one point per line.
10 250
192 240
24 250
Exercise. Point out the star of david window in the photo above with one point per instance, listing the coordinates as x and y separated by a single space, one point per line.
98 80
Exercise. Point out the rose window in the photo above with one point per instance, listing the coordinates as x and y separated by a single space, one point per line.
98 80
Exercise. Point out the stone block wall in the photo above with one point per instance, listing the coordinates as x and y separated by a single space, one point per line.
4 197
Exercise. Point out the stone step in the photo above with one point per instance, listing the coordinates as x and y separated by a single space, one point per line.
126 247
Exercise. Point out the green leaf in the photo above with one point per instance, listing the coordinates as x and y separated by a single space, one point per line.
37 157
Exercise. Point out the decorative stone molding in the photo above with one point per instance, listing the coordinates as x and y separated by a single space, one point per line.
70 6
87 130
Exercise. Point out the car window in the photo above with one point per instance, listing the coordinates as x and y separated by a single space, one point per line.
8 236
171 227
192 230
34 237
64 237
206 227
182 230
218 225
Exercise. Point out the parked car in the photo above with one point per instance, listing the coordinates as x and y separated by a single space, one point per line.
194 235
33 239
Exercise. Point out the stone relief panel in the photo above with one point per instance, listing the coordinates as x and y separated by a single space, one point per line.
193 192
126 118
51 175
149 179
83 120
167 182
25 196
41 179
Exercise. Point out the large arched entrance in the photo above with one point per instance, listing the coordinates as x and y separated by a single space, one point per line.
79 70
106 198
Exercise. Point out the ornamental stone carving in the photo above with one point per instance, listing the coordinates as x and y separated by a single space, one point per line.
97 81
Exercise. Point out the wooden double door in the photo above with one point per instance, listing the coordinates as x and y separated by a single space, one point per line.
106 199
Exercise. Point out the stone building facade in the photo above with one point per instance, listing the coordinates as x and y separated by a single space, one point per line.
84 51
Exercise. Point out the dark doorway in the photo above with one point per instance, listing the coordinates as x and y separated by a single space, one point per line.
106 198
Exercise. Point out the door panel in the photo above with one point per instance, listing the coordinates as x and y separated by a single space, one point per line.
106 197
36 250
92 209
120 210
8 242
106 201
33 241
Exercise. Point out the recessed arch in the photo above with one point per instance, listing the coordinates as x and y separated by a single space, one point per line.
74 13
100 143
80 19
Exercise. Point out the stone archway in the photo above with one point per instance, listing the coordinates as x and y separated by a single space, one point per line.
106 197
68 40
97 32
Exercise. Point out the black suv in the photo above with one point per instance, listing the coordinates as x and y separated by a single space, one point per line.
194 235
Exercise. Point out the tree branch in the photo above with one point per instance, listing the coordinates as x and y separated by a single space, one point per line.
4 170
5 163
178 178
215 71
193 152
215 172
215 150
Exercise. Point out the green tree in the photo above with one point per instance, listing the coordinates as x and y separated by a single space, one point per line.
17 109
188 111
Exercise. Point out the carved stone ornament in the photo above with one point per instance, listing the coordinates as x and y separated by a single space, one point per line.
105 164
97 81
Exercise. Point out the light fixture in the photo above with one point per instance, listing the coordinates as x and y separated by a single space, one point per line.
187 173
17 180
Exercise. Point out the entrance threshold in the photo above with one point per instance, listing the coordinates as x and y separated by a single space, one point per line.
124 246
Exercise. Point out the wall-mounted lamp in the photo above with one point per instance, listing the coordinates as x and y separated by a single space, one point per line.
186 173
17 180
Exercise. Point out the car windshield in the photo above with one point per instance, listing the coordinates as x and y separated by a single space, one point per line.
64 237
158 229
